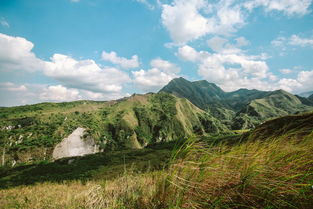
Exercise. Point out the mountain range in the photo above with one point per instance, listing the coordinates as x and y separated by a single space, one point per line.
179 110
241 109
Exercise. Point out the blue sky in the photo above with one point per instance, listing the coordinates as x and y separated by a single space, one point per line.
64 50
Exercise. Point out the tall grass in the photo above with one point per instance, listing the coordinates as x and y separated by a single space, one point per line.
253 174
259 174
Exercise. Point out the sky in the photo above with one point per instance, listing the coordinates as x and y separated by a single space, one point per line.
66 50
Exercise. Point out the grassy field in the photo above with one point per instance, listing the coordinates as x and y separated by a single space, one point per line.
272 167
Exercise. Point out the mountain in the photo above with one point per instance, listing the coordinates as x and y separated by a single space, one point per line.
200 93
310 98
241 109
306 94
275 104
31 132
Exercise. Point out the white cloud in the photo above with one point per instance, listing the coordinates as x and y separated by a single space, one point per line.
217 43
241 41
4 23
188 20
16 54
229 70
9 86
190 54
85 74
222 45
289 7
59 93
183 20
12 94
159 75
293 40
303 42
302 83
285 71
165 66
123 62
75 1
152 80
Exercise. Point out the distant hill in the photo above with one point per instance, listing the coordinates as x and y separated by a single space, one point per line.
241 109
306 94
275 104
30 132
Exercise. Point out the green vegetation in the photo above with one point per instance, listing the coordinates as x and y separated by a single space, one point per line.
270 167
241 109
29 133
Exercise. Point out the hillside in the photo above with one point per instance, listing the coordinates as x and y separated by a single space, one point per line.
275 104
29 133
270 167
241 109
291 127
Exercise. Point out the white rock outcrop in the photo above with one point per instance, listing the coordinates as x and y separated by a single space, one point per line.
75 145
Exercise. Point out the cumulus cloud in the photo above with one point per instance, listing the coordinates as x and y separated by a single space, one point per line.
121 61
16 54
59 93
159 75
302 83
230 70
165 66
85 74
187 20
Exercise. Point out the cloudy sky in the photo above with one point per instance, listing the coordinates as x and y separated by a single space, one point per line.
65 50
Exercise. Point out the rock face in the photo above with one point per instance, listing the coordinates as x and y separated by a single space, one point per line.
75 145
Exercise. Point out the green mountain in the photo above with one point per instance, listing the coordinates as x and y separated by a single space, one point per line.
200 93
241 109
275 104
30 132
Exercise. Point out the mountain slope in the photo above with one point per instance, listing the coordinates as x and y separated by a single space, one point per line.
275 104
30 132
200 93
241 109
296 127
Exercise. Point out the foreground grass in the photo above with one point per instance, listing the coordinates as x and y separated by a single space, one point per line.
254 174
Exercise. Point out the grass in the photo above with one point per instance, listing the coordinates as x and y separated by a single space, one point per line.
271 167
107 165
254 174
270 174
